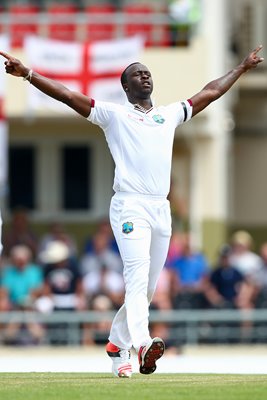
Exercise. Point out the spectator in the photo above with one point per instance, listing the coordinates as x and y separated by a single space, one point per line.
98 332
190 274
162 301
57 233
104 228
21 278
101 268
250 265
225 282
21 281
20 233
5 304
243 258
62 278
63 289
261 280
175 247
102 271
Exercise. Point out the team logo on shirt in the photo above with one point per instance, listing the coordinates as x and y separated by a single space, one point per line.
127 227
158 118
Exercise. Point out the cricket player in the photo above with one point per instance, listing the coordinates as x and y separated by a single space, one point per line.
140 138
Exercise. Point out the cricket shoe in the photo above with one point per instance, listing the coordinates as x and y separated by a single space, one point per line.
121 366
148 355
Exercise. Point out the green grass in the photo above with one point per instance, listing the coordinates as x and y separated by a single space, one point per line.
76 386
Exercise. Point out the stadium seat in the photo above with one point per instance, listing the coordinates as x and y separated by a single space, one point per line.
61 12
27 26
136 13
105 30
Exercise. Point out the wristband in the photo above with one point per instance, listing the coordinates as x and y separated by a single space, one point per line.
28 77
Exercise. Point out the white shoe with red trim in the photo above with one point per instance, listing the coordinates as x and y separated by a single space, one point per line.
121 366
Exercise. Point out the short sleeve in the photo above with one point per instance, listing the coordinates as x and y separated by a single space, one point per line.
102 113
181 111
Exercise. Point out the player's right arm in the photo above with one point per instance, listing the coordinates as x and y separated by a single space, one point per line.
77 101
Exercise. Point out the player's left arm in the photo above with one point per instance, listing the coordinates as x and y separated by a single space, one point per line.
215 89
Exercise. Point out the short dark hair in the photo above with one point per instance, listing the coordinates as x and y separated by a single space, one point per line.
124 73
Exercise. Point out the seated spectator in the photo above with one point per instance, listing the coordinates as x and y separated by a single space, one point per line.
63 289
20 233
21 281
229 288
104 228
248 263
102 270
261 280
175 247
63 284
162 301
162 298
242 256
190 273
5 304
21 278
58 233
98 332
226 282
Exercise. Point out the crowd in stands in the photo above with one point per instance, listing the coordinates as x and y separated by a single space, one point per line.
47 274
161 22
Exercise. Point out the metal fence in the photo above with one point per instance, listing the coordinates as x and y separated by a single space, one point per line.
183 326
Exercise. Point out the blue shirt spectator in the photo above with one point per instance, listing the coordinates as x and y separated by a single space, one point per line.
191 268
190 272
21 277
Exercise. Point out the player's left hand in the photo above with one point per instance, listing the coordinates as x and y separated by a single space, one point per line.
252 60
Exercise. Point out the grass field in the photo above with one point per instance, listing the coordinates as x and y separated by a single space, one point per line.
76 386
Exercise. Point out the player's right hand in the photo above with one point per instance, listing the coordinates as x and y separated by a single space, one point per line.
14 66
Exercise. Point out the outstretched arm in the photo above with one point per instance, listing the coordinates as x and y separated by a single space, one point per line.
54 89
215 89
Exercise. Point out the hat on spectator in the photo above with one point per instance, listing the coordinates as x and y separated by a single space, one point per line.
242 238
54 252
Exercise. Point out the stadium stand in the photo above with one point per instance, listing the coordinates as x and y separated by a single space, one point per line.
99 31
86 20
59 29
26 25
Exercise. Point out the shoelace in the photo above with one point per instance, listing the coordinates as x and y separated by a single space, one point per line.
124 356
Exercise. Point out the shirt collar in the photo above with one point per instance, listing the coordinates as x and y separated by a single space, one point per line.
138 107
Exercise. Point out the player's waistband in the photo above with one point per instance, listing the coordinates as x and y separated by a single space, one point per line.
123 195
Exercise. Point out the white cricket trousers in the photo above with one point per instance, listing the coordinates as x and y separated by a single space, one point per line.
142 228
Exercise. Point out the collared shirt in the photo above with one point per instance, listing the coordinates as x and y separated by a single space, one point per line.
141 143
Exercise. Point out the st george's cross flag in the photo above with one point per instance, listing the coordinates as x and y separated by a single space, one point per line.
91 68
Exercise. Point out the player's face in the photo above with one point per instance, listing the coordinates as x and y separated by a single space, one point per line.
139 81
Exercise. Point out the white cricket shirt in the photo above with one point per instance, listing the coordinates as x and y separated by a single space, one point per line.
140 143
